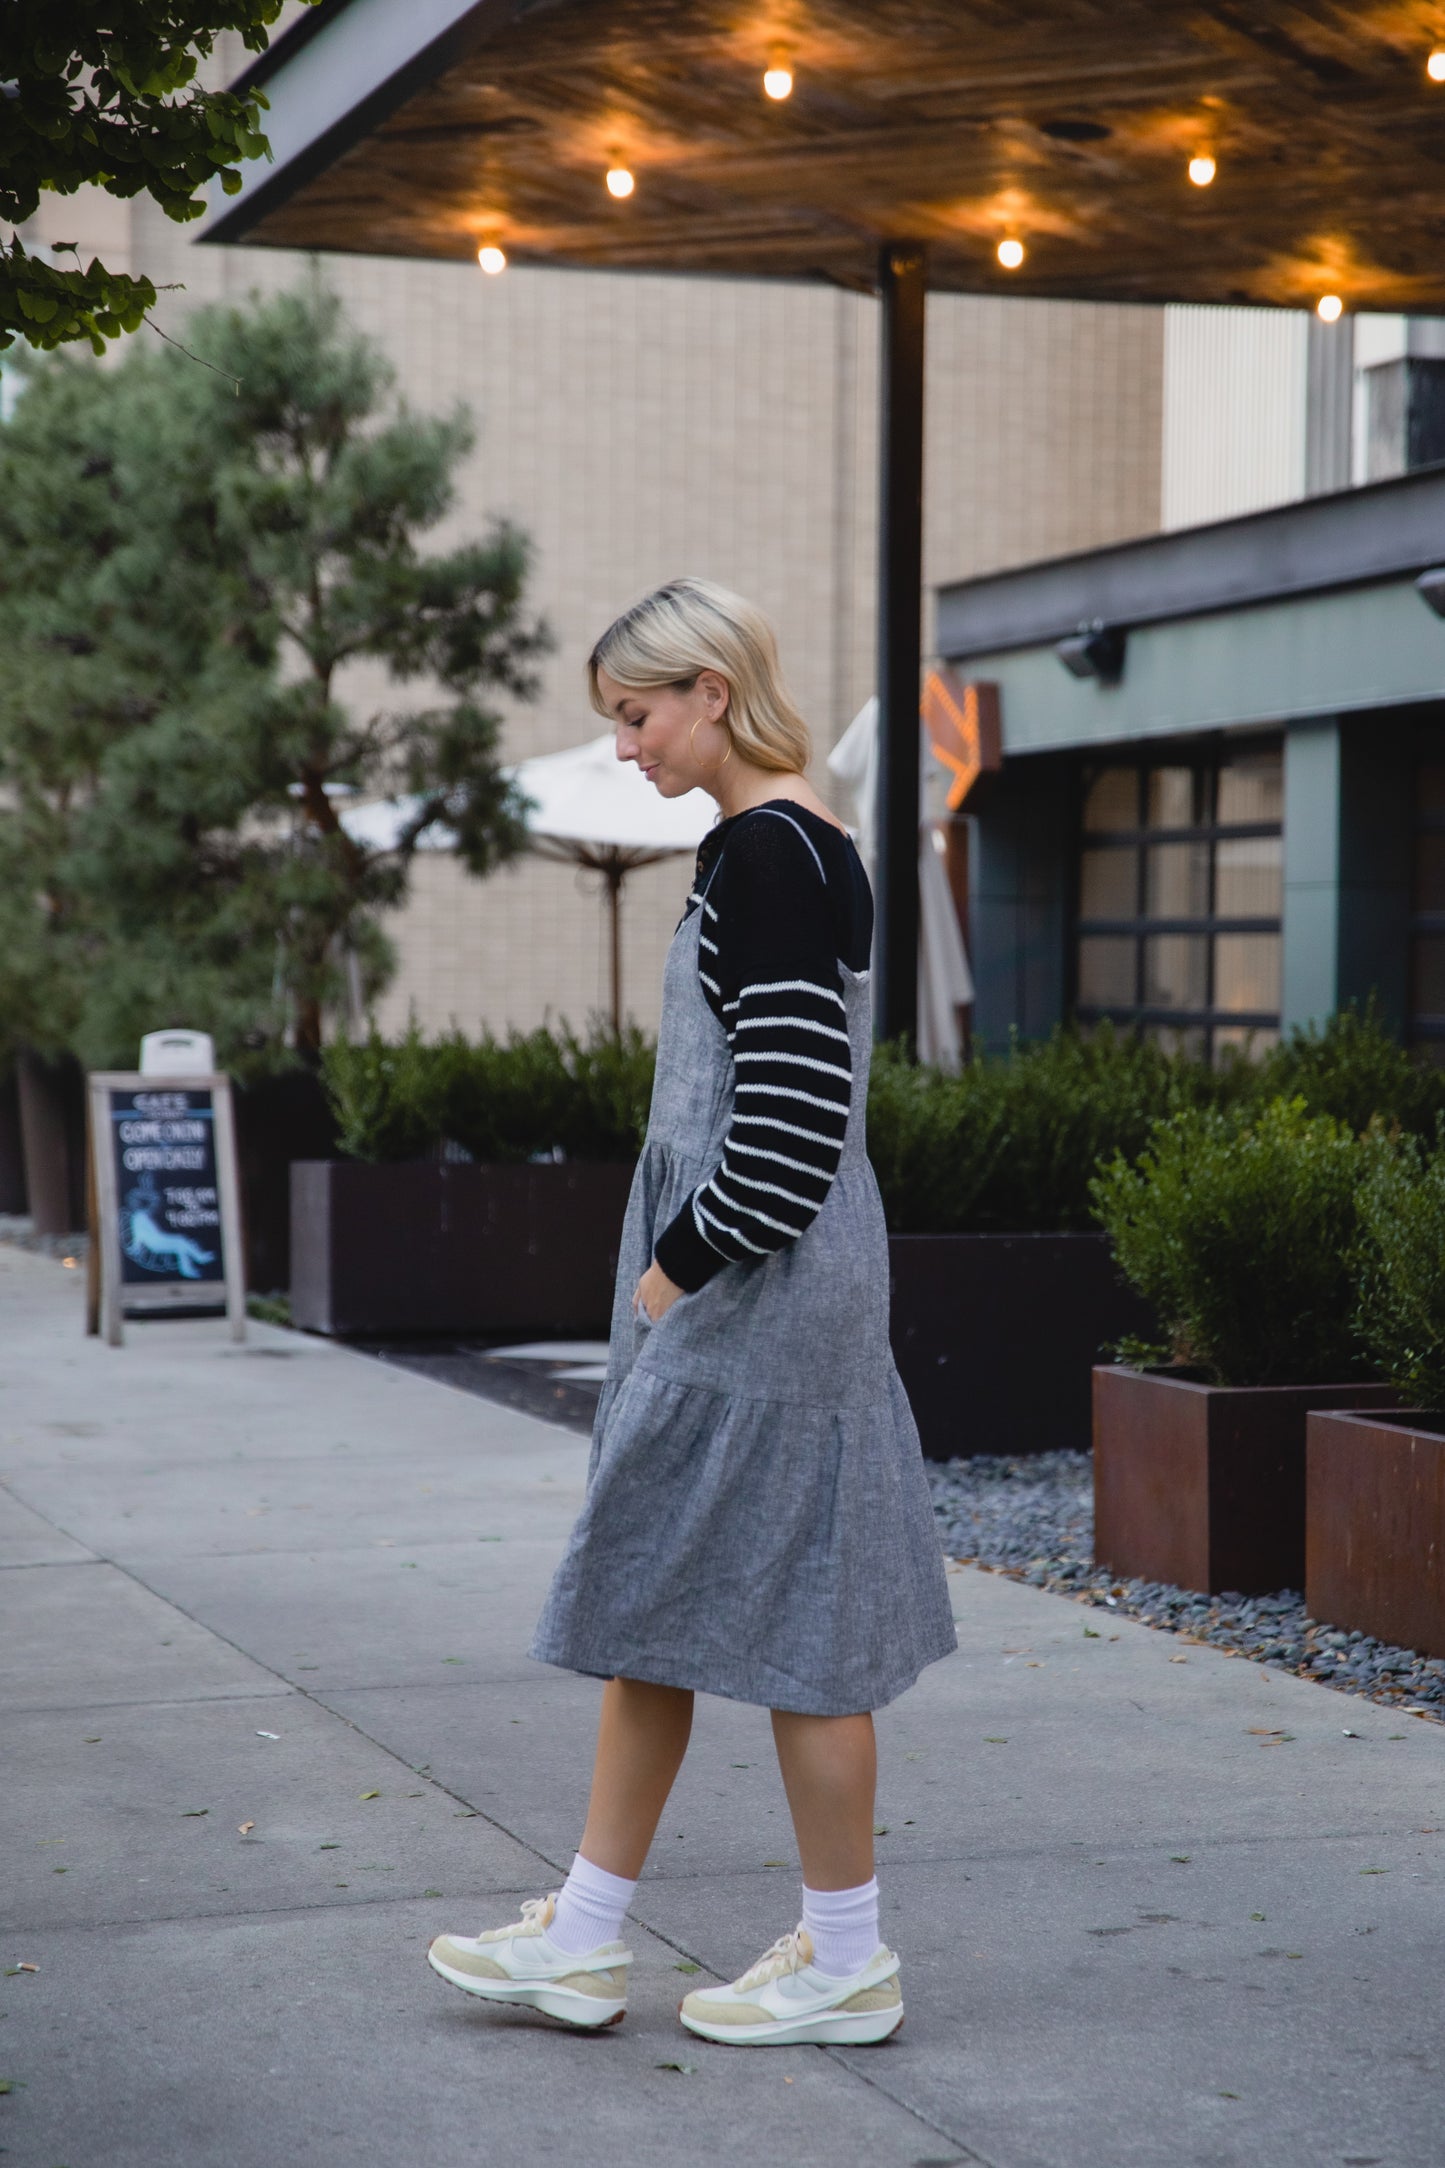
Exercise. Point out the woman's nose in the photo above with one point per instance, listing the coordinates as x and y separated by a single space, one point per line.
626 751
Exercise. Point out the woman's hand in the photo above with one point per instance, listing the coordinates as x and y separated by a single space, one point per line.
655 1292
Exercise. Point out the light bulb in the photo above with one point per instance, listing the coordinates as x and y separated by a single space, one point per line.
1010 254
778 82
491 259
620 181
1329 308
1435 65
1202 170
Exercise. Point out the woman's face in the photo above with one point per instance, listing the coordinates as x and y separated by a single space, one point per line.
673 736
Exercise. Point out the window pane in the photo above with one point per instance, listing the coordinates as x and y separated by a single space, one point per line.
1430 871
1108 882
1106 971
1111 799
1428 993
1176 971
1177 1039
1248 876
1246 971
1175 798
1251 787
1250 1041
1176 879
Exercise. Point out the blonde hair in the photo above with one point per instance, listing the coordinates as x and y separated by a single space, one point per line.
692 625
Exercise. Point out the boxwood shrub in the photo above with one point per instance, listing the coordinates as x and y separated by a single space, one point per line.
1245 1238
1401 1314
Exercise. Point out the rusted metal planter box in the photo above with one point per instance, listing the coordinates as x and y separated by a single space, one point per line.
996 1336
1204 1485
464 1248
1375 1558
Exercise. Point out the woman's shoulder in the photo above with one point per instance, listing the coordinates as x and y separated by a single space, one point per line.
785 840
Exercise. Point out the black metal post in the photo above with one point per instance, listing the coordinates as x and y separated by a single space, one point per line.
902 281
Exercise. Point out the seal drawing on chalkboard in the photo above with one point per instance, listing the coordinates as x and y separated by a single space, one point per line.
155 1248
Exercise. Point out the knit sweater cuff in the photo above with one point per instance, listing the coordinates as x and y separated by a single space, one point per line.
684 1256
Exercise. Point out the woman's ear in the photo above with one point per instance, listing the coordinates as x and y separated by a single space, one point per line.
714 693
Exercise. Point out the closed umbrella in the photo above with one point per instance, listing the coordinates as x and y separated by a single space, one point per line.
945 983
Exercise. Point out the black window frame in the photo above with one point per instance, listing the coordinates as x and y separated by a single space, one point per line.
1206 760
1424 1028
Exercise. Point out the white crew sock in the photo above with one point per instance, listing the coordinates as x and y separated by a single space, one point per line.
843 1927
591 1905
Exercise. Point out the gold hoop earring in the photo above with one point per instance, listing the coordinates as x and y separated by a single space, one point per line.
692 748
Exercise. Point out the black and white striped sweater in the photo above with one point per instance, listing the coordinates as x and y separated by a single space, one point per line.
786 904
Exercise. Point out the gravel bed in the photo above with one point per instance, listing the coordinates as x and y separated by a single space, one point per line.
1033 1519
21 1233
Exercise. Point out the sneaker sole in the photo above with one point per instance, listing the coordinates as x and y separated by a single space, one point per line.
828 2028
583 2012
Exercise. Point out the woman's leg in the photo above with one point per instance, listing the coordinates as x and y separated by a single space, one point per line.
830 1774
641 1739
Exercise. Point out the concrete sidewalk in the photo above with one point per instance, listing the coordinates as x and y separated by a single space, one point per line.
1155 1906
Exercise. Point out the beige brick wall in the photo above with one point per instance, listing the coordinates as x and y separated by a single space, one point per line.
642 426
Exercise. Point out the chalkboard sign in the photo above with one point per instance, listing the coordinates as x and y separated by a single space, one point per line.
166 1230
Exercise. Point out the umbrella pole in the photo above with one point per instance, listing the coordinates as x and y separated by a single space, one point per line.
615 871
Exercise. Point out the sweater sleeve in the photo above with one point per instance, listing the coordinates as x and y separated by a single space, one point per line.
769 967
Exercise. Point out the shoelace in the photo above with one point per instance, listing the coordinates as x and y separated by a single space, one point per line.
786 1955
532 1907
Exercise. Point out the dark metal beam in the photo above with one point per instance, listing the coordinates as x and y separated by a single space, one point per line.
902 280
1387 531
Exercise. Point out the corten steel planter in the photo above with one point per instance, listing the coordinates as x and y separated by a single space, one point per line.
1375 1553
463 1248
996 1336
1204 1485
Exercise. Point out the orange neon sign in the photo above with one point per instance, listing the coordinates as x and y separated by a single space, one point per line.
962 722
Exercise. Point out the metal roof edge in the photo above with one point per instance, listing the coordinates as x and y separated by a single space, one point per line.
1354 537
362 87
285 48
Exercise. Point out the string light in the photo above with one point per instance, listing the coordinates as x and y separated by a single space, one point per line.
1202 170
1329 308
1010 254
619 181
1435 65
492 259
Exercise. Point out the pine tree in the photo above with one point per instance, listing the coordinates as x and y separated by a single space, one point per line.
189 565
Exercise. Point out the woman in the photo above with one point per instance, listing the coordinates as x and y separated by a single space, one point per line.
757 1522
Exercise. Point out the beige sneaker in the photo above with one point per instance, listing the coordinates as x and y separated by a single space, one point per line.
783 1999
521 1964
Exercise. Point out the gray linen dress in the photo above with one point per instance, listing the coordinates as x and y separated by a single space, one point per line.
757 1521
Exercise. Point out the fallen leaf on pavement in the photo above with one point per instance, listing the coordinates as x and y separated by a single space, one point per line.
11 1970
1181 1859
684 1966
685 2070
268 1735
244 1828
193 1814
371 1795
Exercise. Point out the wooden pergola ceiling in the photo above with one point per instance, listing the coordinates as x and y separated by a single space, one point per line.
1066 124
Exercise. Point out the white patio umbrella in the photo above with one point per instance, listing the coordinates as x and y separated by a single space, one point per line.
945 983
599 812
589 809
